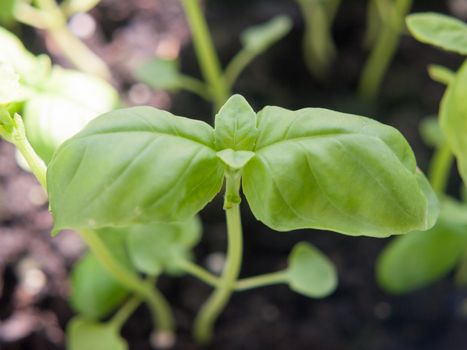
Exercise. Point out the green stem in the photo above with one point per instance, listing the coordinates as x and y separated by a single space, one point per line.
155 300
210 311
383 51
207 56
119 319
439 168
262 280
21 142
195 86
237 65
199 272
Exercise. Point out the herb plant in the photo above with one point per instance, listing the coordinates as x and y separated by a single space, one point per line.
134 179
217 86
420 258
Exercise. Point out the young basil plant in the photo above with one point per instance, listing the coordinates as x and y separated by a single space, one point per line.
416 260
311 168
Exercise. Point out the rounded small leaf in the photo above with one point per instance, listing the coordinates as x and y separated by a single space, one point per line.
316 168
430 132
310 272
83 334
94 292
67 101
260 37
156 247
134 166
160 73
439 30
419 258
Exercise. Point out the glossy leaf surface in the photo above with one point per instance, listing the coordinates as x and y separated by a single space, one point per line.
156 247
260 37
160 73
316 168
439 30
134 166
453 118
83 334
66 102
310 272
235 125
415 260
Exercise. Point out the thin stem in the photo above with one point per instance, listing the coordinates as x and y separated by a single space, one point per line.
439 169
237 65
207 56
262 280
210 311
199 272
157 303
383 51
119 319
35 163
195 86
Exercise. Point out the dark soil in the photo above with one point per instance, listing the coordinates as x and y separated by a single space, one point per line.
34 267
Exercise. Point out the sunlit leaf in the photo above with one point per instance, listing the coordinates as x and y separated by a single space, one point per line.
84 334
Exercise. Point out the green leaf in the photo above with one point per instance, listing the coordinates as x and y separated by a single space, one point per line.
317 168
430 131
259 38
235 125
134 166
415 260
439 30
235 160
441 74
7 11
310 272
156 247
94 292
160 73
66 102
84 334
9 85
453 118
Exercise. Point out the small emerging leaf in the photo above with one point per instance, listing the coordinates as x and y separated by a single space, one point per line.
441 74
417 259
156 248
439 30
83 334
235 160
310 272
160 73
235 125
259 38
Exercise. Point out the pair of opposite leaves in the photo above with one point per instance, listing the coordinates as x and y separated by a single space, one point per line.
312 168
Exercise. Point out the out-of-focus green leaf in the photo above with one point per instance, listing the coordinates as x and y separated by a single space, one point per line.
94 292
156 247
160 73
6 11
310 272
66 102
415 260
83 334
439 30
76 6
259 38
10 90
317 168
441 74
134 166
431 131
453 118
